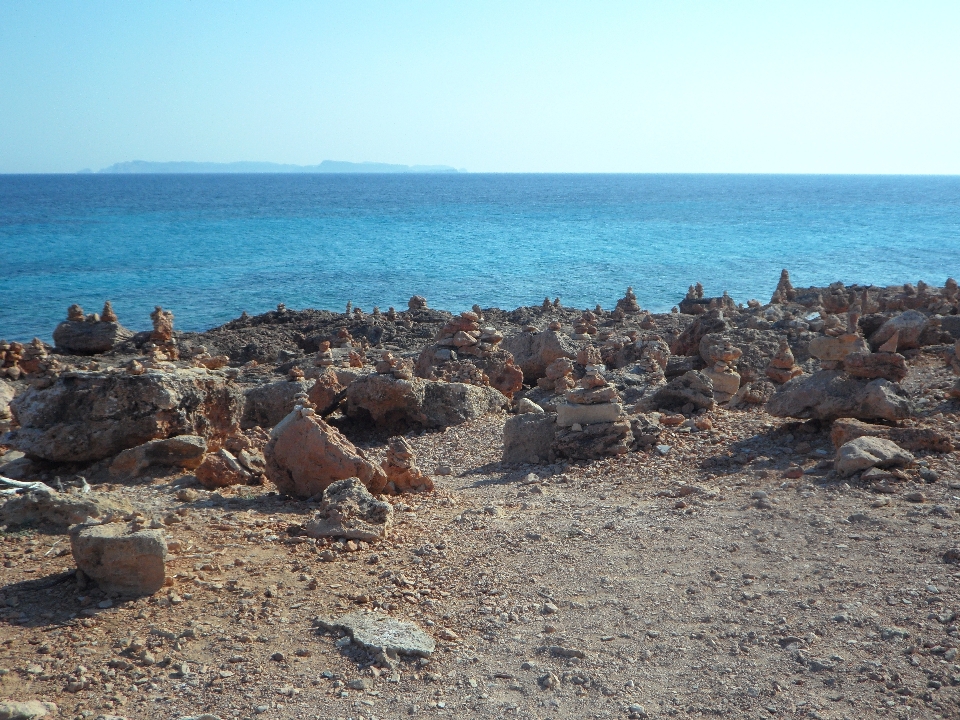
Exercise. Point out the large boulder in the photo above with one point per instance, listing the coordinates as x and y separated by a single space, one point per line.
389 401
221 469
830 394
269 404
866 452
60 510
120 559
182 451
910 326
692 388
534 351
305 455
887 365
593 442
911 438
348 510
835 349
88 416
89 338
528 438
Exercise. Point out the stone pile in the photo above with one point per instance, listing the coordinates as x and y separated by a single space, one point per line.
398 368
401 469
417 302
162 345
324 355
783 365
628 304
348 510
89 334
696 304
559 377
585 326
18 360
719 354
589 423
784 292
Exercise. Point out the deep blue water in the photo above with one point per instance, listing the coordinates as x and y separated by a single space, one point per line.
210 246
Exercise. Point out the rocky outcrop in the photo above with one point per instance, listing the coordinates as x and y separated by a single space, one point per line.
327 392
305 455
89 334
529 438
401 469
348 510
266 405
119 558
221 469
182 451
910 438
696 304
28 710
866 452
391 402
909 327
87 416
61 510
534 351
830 394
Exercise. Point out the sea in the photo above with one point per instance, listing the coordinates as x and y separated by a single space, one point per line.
209 247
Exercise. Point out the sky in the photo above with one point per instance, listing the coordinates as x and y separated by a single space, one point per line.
670 86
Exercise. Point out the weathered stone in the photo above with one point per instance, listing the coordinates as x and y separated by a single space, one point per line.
28 710
725 383
221 469
383 634
784 292
6 397
692 387
911 438
570 413
87 416
887 365
595 441
401 469
867 452
910 326
348 510
529 438
119 560
525 405
835 349
830 394
183 451
61 510
89 338
533 352
714 348
266 405
327 392
646 430
688 342
305 455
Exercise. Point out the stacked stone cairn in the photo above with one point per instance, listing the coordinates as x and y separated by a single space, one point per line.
783 365
720 356
399 368
591 422
162 345
403 475
17 359
559 376
324 355
585 326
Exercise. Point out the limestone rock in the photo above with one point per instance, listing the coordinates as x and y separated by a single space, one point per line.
529 438
572 413
120 560
646 430
783 365
688 342
327 392
266 405
725 381
382 634
533 352
305 455
692 388
401 469
88 416
221 469
867 452
594 441
61 510
890 366
526 405
714 348
908 325
89 338
28 710
835 349
6 397
830 394
183 451
910 438
348 510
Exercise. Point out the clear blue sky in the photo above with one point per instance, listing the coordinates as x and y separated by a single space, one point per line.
671 86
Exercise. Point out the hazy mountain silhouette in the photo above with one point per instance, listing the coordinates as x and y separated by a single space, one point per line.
327 166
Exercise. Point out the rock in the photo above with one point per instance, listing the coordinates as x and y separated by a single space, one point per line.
417 302
525 405
89 338
391 402
835 349
910 326
529 438
327 392
784 292
911 438
401 469
533 352
120 560
268 404
755 393
60 509
887 365
305 455
646 430
692 387
715 348
830 394
867 452
29 710
88 416
572 413
383 634
688 342
221 469
183 451
594 441
725 381
783 366
6 397
348 510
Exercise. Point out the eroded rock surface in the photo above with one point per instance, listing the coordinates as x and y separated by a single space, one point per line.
120 559
348 510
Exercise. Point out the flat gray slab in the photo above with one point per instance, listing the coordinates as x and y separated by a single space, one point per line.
379 632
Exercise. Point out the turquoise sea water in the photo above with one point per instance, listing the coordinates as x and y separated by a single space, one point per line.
210 246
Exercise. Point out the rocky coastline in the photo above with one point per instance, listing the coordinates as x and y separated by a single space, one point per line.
730 508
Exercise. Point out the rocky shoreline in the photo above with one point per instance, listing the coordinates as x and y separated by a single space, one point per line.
559 512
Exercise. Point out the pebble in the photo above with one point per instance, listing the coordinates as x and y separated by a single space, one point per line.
915 497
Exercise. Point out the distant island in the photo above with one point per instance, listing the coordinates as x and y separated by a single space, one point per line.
143 167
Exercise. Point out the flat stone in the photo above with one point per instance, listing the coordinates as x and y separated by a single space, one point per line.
29 710
60 509
569 413
869 452
382 633
120 560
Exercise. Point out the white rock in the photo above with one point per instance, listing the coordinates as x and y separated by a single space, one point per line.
570 413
